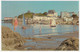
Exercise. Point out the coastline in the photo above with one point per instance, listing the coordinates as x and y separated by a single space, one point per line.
49 42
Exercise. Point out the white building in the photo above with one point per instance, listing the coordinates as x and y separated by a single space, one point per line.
68 19
52 15
78 14
65 14
8 18
42 18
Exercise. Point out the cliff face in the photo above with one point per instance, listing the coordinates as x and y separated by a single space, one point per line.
11 39
69 44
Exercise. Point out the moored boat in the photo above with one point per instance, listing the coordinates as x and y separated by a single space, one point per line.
52 23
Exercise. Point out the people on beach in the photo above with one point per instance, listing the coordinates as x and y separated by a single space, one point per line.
40 30
15 23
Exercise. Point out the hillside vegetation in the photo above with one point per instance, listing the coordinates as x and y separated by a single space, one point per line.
30 14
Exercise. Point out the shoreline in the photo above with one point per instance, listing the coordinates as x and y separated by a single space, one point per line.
54 40
49 42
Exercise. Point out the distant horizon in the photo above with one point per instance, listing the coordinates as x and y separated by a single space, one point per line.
15 8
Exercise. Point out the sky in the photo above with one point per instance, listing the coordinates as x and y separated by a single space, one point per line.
15 8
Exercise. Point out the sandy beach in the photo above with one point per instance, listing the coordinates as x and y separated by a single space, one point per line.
50 42
35 42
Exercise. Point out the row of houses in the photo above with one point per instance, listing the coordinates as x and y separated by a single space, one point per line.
51 15
8 18
66 16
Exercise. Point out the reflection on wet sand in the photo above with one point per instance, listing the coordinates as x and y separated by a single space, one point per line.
44 37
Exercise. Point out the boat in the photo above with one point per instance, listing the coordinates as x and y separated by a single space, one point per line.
24 25
52 23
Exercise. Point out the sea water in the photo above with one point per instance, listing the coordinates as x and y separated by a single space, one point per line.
42 29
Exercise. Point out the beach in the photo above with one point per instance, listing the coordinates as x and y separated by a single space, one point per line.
40 26
50 42
34 42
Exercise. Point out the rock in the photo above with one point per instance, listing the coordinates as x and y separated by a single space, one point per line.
69 44
11 39
49 37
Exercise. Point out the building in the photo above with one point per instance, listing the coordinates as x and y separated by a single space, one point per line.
59 21
78 14
52 13
68 19
8 18
65 14
42 18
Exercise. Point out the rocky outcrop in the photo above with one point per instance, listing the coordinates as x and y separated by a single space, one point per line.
11 39
69 44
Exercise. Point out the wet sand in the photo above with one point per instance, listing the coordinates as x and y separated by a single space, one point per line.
49 42
43 42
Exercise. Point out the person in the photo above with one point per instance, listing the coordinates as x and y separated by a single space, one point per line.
40 30
15 23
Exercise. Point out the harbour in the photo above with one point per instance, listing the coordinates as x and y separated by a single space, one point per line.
40 26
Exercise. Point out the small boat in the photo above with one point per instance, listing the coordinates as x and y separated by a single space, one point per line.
52 23
53 26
